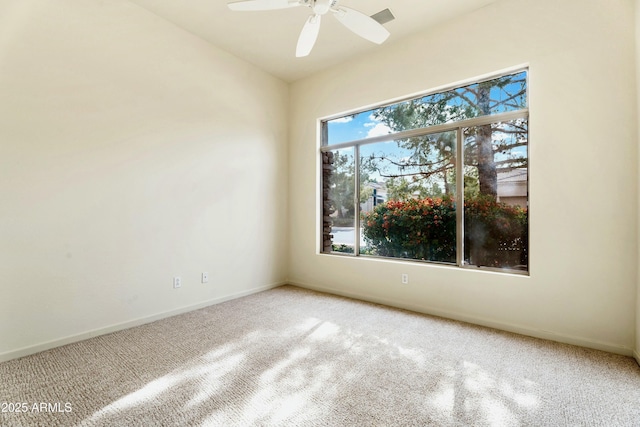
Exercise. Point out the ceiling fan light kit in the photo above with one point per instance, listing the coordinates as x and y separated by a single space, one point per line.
359 23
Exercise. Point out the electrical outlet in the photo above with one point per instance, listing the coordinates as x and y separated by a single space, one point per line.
205 277
177 282
405 279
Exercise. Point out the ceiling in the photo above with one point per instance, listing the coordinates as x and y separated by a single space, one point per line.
268 38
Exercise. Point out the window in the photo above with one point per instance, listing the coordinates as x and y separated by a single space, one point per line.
440 178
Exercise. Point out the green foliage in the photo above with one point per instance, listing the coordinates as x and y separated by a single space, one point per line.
401 188
495 233
415 228
490 148
346 249
342 186
365 192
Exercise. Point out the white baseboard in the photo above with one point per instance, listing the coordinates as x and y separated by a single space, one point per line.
636 355
25 351
518 329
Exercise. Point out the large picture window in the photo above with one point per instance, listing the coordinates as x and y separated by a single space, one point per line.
441 178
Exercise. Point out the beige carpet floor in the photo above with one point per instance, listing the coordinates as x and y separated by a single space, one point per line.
293 357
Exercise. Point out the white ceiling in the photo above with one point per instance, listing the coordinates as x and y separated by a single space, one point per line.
268 38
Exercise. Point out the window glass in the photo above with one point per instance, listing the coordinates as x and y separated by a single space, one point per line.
499 95
452 190
496 194
408 198
338 182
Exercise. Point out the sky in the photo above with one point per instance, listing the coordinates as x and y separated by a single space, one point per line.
360 126
364 125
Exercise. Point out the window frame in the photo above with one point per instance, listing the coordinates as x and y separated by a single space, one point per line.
457 127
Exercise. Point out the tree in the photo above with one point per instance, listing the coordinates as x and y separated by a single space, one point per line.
495 234
342 188
403 188
488 148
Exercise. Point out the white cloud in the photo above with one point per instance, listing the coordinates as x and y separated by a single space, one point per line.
378 130
368 125
346 119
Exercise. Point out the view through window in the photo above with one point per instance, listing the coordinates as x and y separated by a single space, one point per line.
440 178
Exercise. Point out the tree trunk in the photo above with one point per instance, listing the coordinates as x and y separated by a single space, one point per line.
487 175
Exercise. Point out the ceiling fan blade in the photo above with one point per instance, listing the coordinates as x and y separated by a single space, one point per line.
361 24
308 36
248 5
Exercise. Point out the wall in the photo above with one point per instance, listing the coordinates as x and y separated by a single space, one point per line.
637 5
583 177
131 152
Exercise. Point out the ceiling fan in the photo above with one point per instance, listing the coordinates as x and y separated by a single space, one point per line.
361 24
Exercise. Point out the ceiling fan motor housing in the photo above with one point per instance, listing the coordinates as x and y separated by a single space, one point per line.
320 7
356 21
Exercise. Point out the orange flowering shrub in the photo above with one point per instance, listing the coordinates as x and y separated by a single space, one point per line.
415 228
495 233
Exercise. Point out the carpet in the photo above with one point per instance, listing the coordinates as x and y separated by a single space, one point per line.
294 357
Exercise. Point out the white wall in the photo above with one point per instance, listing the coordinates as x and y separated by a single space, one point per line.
637 4
130 152
583 176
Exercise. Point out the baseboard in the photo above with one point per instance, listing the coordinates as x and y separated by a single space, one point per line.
636 355
518 329
26 351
